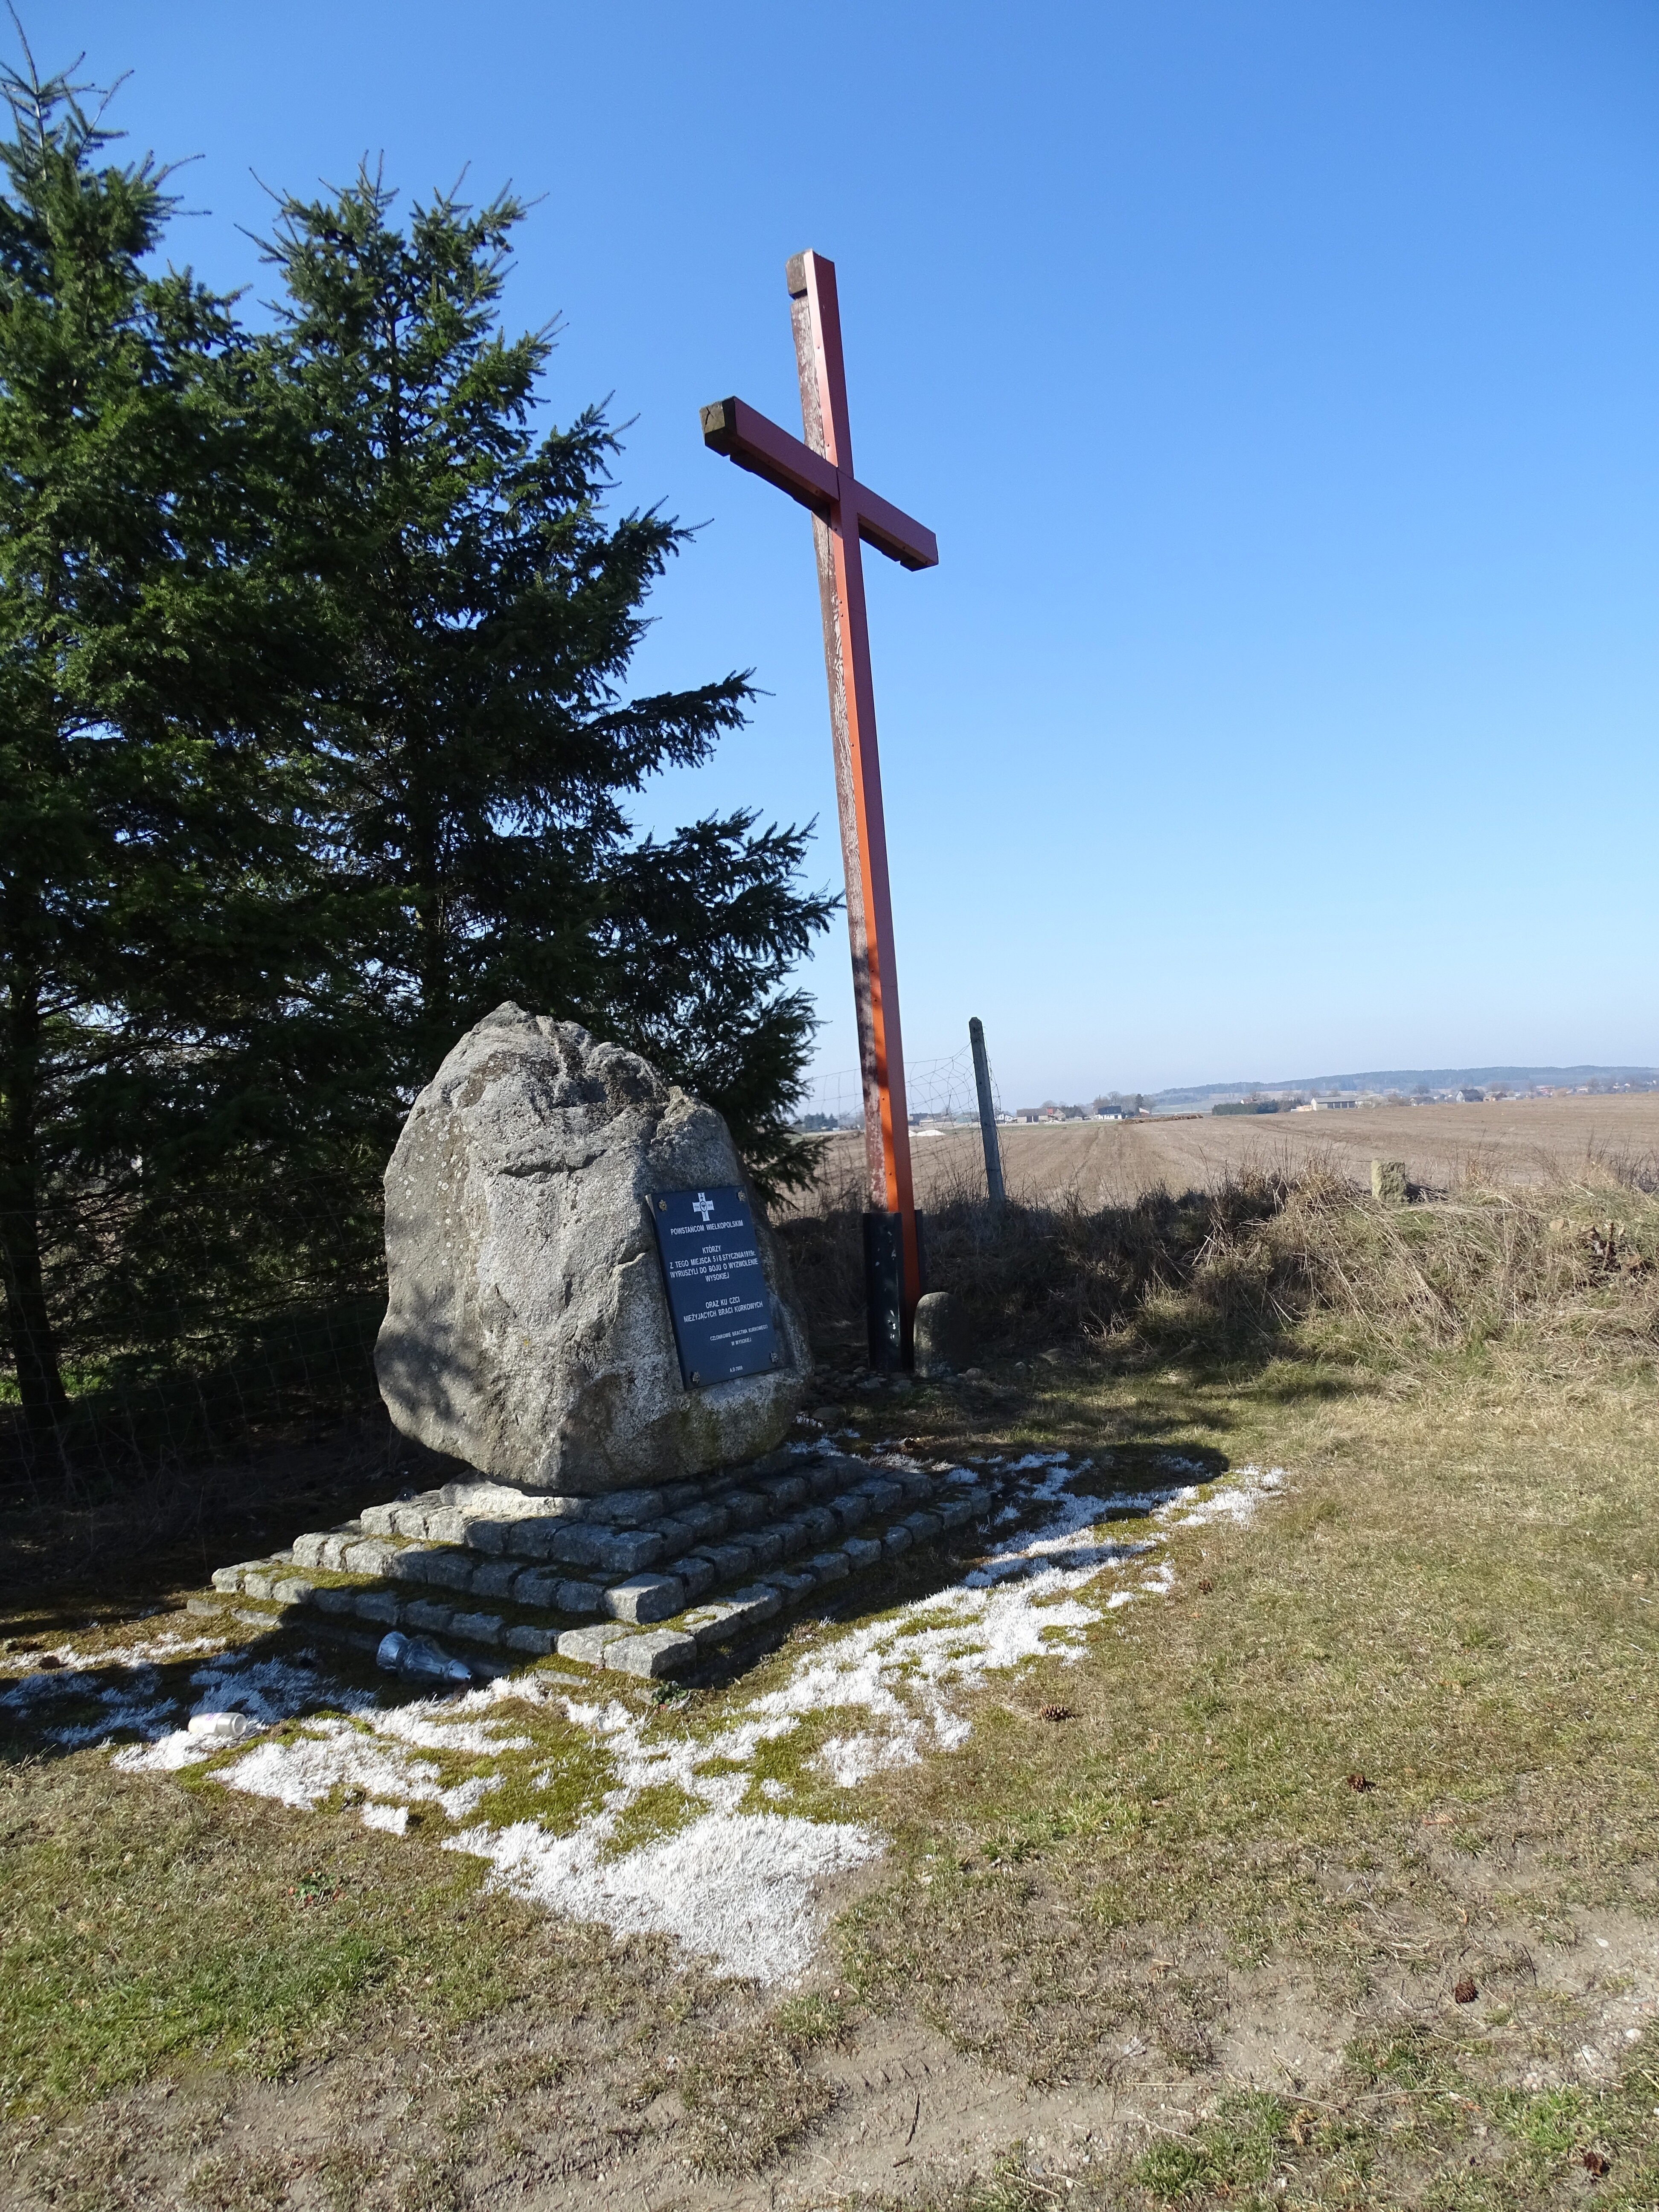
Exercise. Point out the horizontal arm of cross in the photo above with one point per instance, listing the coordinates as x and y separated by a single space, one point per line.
732 427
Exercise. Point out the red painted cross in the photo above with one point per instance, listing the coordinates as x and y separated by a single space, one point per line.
846 516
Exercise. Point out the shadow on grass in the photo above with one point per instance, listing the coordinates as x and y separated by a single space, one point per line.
136 1691
135 1676
1209 1276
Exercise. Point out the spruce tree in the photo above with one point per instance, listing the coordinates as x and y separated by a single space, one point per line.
151 867
476 740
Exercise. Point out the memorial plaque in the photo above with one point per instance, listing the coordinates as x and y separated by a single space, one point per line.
717 1292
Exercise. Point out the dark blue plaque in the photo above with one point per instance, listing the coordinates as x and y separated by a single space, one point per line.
716 1292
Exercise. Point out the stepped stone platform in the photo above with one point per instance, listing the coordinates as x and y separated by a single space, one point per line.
638 1582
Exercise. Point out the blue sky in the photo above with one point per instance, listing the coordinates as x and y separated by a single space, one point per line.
1281 378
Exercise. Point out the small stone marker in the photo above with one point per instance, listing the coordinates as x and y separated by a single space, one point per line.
1389 1184
938 1334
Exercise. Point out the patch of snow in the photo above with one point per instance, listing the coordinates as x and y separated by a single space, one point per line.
850 1759
139 1701
1238 1501
330 1755
422 1726
164 1756
735 1886
465 1797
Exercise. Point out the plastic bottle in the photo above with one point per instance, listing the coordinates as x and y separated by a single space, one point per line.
419 1661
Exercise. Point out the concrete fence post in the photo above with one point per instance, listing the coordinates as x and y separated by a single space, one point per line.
987 1116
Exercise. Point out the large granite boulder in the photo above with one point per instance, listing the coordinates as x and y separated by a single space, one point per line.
527 1330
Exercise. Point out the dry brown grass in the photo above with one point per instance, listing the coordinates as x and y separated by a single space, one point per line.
1232 1273
1139 1911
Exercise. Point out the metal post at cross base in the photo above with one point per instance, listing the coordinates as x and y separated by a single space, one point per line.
846 516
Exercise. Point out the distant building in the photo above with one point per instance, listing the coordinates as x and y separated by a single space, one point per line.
1470 1095
1330 1105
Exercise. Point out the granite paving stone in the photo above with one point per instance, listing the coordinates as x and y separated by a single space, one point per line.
491 1535
785 1491
684 1530
536 1586
497 1579
525 1637
368 1555
663 1651
731 1559
695 1573
744 1608
536 1539
629 1508
476 1627
646 1598
588 1645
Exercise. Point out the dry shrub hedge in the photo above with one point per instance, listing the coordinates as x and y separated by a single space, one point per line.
1231 1271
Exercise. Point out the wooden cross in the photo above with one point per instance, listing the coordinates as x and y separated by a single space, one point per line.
845 515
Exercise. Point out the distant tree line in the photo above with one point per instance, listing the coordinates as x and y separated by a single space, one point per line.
314 747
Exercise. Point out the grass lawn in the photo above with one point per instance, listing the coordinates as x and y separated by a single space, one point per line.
1327 1878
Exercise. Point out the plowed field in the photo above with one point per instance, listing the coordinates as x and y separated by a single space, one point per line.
1535 1140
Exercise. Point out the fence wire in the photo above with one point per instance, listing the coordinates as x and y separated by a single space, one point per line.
240 1320
934 1090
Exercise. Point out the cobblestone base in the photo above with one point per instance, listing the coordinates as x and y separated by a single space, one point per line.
668 1573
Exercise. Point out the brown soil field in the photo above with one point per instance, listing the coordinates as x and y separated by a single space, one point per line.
1109 1162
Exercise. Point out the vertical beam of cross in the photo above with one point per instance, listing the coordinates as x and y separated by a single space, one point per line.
847 516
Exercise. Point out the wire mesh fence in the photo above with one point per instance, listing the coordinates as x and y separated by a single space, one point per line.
935 1091
245 1313
169 1335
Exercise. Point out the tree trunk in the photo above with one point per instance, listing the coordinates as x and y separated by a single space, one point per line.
32 1347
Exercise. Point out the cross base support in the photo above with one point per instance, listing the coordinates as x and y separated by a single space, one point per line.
884 1288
